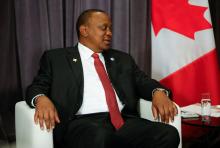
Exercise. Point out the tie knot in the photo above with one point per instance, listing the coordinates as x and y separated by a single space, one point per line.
95 55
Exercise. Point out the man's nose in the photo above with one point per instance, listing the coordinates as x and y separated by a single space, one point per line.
109 32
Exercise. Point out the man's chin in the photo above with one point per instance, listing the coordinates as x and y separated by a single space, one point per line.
106 47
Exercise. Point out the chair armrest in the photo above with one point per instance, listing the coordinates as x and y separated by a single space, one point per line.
146 113
28 134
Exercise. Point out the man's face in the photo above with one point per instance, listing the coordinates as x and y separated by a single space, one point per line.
99 32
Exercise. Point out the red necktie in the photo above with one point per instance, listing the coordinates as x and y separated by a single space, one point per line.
115 114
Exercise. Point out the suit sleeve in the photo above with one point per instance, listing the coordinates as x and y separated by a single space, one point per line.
144 84
42 82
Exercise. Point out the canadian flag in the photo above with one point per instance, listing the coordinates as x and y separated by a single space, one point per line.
184 57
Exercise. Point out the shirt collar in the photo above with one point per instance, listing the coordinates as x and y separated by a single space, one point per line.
86 53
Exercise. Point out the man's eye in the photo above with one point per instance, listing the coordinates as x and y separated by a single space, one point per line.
103 27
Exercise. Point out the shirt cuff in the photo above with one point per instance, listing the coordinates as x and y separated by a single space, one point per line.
35 99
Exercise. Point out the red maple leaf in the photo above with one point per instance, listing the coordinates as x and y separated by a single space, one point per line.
178 16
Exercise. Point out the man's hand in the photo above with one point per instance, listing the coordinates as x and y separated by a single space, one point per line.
163 107
45 113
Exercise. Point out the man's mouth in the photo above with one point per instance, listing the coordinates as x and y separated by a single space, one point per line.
107 41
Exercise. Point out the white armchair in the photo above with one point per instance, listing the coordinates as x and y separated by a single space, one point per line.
29 135
146 113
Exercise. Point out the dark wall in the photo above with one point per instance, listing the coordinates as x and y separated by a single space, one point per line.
215 15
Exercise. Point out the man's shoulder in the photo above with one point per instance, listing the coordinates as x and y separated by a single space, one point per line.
117 52
58 51
120 55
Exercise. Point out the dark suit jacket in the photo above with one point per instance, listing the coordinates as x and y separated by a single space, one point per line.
61 78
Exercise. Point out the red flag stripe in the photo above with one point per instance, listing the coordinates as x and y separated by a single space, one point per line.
201 76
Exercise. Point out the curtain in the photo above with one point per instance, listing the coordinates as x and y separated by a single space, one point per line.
10 85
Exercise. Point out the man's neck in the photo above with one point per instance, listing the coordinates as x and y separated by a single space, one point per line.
90 46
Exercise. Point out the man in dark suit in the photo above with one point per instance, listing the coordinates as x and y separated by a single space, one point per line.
72 91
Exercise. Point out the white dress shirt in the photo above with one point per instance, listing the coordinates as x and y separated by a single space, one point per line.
94 99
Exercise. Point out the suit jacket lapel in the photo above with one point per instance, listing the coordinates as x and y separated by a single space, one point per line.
113 68
111 65
75 62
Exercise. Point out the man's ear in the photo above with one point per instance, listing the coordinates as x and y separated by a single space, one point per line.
83 30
